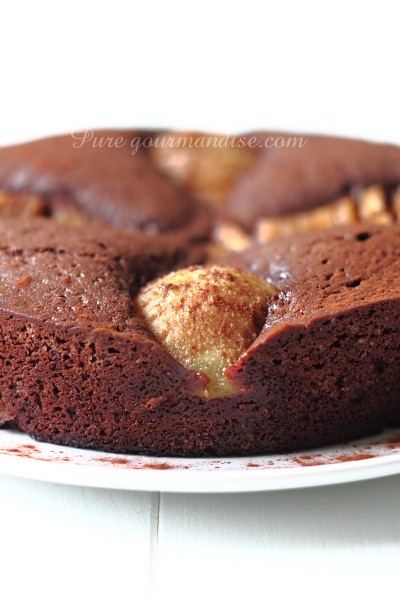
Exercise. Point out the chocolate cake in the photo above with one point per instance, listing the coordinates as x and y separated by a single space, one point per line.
126 327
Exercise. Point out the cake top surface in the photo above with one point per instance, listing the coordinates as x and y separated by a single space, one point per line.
323 274
69 274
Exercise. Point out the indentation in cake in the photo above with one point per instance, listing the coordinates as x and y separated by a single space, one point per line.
14 204
206 317
208 165
341 212
24 205
371 204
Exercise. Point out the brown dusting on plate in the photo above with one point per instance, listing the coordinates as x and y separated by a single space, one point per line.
393 443
30 451
309 460
117 461
352 457
387 444
160 466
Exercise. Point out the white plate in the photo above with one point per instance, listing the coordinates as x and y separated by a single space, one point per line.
369 458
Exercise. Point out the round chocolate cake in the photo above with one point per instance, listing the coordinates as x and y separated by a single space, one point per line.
187 294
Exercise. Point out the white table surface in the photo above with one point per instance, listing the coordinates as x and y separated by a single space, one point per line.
68 542
303 66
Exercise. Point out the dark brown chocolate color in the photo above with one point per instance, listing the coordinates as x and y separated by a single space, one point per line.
80 368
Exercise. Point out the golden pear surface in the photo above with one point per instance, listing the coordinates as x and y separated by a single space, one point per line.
206 318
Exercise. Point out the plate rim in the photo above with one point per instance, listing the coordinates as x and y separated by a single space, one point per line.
185 480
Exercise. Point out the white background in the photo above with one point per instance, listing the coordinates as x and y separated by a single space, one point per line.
224 66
